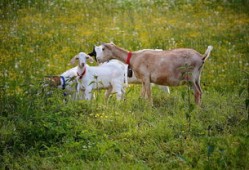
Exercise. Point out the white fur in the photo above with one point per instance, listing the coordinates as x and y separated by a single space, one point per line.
68 76
107 76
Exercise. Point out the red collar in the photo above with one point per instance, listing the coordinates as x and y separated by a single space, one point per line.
81 75
128 58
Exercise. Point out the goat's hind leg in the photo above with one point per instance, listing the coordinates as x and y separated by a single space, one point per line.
118 89
198 85
148 91
197 93
108 92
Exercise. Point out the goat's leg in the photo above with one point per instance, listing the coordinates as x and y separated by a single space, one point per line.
83 95
198 85
148 91
118 89
88 94
77 93
123 92
164 88
143 90
120 92
119 95
197 93
108 92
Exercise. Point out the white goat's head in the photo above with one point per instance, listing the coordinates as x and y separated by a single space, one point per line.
82 57
104 52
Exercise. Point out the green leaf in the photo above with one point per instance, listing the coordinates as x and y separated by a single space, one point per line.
91 82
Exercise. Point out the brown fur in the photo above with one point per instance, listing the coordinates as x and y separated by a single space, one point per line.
170 68
53 81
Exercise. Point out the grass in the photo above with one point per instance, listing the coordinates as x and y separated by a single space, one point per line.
40 131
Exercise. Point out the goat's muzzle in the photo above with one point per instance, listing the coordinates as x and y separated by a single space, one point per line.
82 65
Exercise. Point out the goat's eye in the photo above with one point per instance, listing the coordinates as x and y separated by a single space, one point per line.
103 49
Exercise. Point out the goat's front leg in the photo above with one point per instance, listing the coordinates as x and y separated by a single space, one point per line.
148 91
120 93
143 90
88 93
118 89
77 93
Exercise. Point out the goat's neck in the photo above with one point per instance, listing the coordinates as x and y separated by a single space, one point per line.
81 71
68 74
120 54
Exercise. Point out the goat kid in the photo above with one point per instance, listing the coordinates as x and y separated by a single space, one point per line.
110 77
170 68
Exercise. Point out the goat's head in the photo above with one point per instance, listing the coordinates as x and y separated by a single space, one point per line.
52 81
104 52
82 57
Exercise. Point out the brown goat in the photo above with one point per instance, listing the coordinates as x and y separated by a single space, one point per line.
170 68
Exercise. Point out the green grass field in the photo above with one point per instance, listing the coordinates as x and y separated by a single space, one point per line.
38 131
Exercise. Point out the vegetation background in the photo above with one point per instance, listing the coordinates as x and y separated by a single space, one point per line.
40 131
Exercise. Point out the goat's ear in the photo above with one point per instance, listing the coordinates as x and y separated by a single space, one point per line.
108 46
93 53
74 58
90 58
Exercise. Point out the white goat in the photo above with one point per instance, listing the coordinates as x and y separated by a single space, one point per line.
110 77
170 68
131 78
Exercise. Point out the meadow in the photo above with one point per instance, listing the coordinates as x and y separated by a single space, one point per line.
40 131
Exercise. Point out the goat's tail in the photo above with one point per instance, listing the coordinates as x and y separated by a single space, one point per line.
207 53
